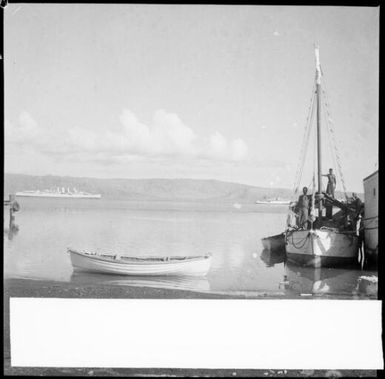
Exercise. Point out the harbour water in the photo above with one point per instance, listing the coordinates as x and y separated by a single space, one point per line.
231 232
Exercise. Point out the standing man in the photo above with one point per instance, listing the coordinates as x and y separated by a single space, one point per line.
332 181
360 232
291 220
357 203
303 209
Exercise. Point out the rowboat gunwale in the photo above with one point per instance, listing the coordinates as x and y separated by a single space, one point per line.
142 261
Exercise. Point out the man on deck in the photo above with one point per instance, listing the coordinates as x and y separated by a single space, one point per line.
303 208
358 208
356 202
332 181
291 220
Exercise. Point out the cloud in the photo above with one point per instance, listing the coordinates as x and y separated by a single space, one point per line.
270 163
166 136
217 146
239 150
26 130
276 33
26 134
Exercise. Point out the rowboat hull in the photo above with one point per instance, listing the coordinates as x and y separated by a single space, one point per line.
189 266
321 248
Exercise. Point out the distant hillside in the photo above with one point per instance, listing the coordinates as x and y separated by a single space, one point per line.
148 189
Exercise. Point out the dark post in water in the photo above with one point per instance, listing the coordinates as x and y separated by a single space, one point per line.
13 207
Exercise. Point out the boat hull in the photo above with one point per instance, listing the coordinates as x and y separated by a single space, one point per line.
276 242
196 266
321 248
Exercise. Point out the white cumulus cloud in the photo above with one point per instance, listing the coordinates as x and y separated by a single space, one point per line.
217 146
23 131
239 150
165 136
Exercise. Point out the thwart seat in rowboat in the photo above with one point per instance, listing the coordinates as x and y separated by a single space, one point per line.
136 265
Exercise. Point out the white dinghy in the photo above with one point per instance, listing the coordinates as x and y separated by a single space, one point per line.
139 266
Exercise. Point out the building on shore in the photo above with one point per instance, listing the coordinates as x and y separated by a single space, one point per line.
371 215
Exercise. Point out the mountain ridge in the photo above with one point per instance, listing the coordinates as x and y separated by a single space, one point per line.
149 188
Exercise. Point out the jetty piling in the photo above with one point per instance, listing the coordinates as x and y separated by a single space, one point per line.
13 207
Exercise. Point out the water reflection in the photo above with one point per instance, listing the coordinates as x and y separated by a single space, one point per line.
200 284
306 280
272 257
235 256
11 231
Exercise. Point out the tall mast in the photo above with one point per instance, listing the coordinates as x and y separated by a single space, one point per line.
318 91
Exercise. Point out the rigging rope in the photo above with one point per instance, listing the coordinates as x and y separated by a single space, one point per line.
315 163
332 153
312 180
336 158
305 142
330 140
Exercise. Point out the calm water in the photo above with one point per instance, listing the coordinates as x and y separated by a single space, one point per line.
230 232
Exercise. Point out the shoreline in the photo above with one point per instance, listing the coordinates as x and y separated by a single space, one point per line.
23 287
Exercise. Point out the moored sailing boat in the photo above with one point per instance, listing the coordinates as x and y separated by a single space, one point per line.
331 241
322 247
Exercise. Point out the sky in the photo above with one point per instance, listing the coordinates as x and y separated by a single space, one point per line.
189 91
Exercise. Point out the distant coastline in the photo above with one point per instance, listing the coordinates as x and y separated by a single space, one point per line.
149 189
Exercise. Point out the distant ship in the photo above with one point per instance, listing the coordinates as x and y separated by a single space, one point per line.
59 193
276 201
